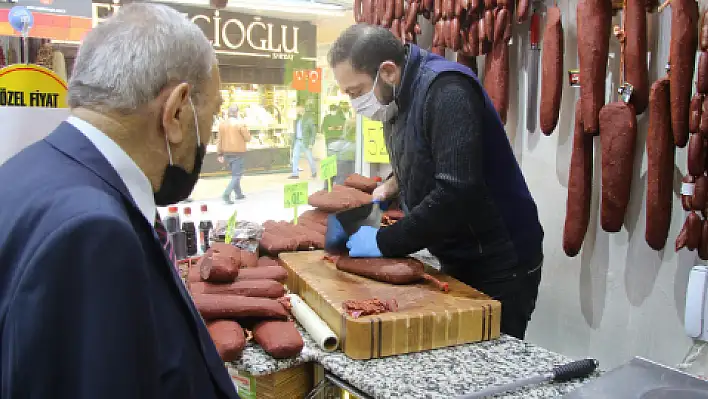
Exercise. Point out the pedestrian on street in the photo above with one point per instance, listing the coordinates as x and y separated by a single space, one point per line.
93 305
231 148
304 133
454 171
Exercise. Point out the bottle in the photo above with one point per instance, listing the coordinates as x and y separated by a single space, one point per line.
205 227
190 232
171 221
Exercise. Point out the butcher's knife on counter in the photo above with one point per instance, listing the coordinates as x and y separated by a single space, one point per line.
563 373
342 225
532 70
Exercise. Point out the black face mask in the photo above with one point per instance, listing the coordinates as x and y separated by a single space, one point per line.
177 183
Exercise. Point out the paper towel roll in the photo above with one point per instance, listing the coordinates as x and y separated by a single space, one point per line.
313 324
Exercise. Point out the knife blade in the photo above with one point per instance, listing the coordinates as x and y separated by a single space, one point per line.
532 71
365 215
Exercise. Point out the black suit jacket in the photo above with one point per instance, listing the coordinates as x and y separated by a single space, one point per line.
91 307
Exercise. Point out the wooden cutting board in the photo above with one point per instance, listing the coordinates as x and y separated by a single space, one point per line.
427 318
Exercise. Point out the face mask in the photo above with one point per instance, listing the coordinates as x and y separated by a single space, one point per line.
177 183
369 106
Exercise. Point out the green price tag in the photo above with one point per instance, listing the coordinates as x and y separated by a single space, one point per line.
295 194
328 167
230 228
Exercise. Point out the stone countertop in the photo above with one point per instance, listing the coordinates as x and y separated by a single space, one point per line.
439 373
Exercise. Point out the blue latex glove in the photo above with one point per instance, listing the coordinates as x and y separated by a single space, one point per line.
363 243
336 237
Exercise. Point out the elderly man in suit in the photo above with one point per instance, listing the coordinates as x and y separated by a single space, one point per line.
92 305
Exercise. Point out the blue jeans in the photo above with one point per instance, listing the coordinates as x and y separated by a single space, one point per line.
235 163
298 146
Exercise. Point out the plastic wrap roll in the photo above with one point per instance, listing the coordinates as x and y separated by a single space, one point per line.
313 324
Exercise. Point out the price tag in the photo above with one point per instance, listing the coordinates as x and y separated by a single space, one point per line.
328 167
374 142
574 77
230 225
687 188
295 194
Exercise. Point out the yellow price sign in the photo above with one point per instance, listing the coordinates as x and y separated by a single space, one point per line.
295 194
230 225
374 142
23 85
328 167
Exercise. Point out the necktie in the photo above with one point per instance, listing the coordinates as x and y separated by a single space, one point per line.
164 239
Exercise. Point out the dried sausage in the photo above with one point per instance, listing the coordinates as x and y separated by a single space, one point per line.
594 19
455 34
702 73
700 194
618 127
280 339
694 116
473 37
358 16
523 11
214 307
682 56
694 230
696 156
703 247
703 126
635 53
251 288
437 11
388 13
489 25
276 273
228 338
660 166
577 216
218 267
411 16
704 31
501 20
496 78
551 71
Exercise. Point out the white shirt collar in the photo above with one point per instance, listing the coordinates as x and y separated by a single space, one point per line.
134 179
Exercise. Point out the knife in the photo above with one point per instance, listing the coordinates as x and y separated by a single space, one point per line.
341 225
532 71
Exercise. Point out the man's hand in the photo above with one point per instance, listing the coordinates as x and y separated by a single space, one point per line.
363 243
387 190
221 158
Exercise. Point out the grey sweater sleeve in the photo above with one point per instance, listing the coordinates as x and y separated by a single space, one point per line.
453 128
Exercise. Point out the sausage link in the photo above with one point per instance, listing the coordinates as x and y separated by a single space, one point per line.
396 28
594 19
437 11
551 72
694 116
618 124
489 25
703 247
447 9
523 11
500 23
455 34
704 31
577 215
696 155
700 192
399 10
637 72
367 11
474 7
694 230
660 166
702 73
358 17
473 37
496 78
490 4
411 16
388 13
703 126
682 56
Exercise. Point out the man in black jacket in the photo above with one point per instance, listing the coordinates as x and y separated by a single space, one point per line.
465 197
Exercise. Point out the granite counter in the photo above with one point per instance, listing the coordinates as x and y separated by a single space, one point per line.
439 373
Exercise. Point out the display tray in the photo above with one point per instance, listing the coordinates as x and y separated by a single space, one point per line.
427 318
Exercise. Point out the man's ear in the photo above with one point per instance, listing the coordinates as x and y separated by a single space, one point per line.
389 72
177 100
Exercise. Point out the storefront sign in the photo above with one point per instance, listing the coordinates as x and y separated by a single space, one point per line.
31 86
374 142
241 35
53 19
308 80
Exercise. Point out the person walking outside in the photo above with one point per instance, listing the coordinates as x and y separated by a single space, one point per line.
303 140
231 147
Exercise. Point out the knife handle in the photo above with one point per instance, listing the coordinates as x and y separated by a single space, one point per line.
577 369
535 29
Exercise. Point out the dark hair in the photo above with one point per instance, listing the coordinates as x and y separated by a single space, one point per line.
367 47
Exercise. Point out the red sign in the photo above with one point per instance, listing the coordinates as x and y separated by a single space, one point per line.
308 80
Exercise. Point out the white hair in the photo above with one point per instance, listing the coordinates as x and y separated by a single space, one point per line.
124 62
